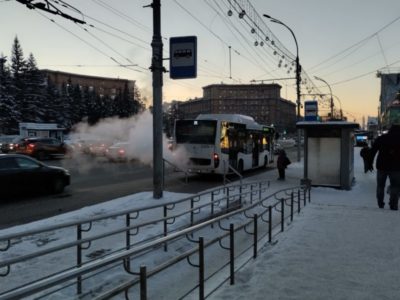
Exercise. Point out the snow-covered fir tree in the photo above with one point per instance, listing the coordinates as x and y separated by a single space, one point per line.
36 100
8 107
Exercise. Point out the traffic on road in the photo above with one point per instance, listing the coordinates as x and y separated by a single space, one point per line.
84 177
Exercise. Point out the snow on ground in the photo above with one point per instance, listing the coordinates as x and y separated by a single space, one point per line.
342 246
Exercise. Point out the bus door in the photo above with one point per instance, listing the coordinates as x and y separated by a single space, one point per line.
256 150
233 146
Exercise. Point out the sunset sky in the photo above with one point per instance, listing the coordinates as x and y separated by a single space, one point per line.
343 42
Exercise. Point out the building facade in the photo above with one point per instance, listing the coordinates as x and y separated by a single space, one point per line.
263 102
103 86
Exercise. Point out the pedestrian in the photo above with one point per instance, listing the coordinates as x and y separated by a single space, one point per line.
387 165
282 163
365 153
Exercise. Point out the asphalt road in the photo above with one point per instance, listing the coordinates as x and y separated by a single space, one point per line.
95 180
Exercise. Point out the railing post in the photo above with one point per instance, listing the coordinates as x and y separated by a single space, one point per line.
309 195
232 253
227 198
240 193
201 268
255 236
291 206
305 194
143 283
191 211
79 258
270 224
251 194
128 239
282 214
165 229
298 201
212 207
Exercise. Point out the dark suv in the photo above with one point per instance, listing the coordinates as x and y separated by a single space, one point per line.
42 148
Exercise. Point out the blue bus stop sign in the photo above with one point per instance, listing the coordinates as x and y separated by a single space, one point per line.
310 110
183 57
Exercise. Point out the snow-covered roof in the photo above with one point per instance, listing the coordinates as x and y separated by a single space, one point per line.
329 124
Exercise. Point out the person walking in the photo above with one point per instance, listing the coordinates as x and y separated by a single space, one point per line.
282 163
387 165
365 154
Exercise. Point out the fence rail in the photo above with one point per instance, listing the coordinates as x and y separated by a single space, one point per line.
193 224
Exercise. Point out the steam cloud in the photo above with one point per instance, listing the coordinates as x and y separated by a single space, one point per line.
137 131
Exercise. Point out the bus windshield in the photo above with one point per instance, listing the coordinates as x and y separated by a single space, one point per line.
195 131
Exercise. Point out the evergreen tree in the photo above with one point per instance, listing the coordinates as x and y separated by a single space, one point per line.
17 87
77 110
55 110
65 102
93 102
36 102
138 103
8 107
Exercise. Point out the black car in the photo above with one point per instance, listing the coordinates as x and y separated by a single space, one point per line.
22 174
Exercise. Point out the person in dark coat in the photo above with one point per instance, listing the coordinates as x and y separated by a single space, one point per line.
365 153
388 165
282 163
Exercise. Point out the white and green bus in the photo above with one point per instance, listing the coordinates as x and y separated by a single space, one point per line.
216 143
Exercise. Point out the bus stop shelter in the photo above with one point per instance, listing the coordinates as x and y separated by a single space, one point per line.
329 153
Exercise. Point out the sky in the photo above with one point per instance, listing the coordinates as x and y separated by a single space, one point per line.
341 246
343 42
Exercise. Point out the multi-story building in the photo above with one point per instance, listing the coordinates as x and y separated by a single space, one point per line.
103 86
263 102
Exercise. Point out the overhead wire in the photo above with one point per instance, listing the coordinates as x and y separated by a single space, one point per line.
86 42
261 62
248 43
202 23
357 43
122 15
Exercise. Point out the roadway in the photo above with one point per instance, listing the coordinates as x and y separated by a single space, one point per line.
96 180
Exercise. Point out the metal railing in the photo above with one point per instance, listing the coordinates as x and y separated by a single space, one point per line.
243 222
172 217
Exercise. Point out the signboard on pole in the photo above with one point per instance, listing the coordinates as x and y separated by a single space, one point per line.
183 57
310 110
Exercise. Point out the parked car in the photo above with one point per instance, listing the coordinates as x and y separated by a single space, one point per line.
7 143
42 148
118 152
20 173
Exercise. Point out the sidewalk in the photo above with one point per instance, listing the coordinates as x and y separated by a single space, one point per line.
342 246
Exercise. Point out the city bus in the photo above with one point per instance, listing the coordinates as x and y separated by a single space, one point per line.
216 143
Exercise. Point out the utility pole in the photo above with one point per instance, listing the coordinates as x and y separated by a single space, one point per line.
230 63
298 80
157 70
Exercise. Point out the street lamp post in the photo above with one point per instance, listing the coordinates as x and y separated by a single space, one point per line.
298 78
320 79
340 103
